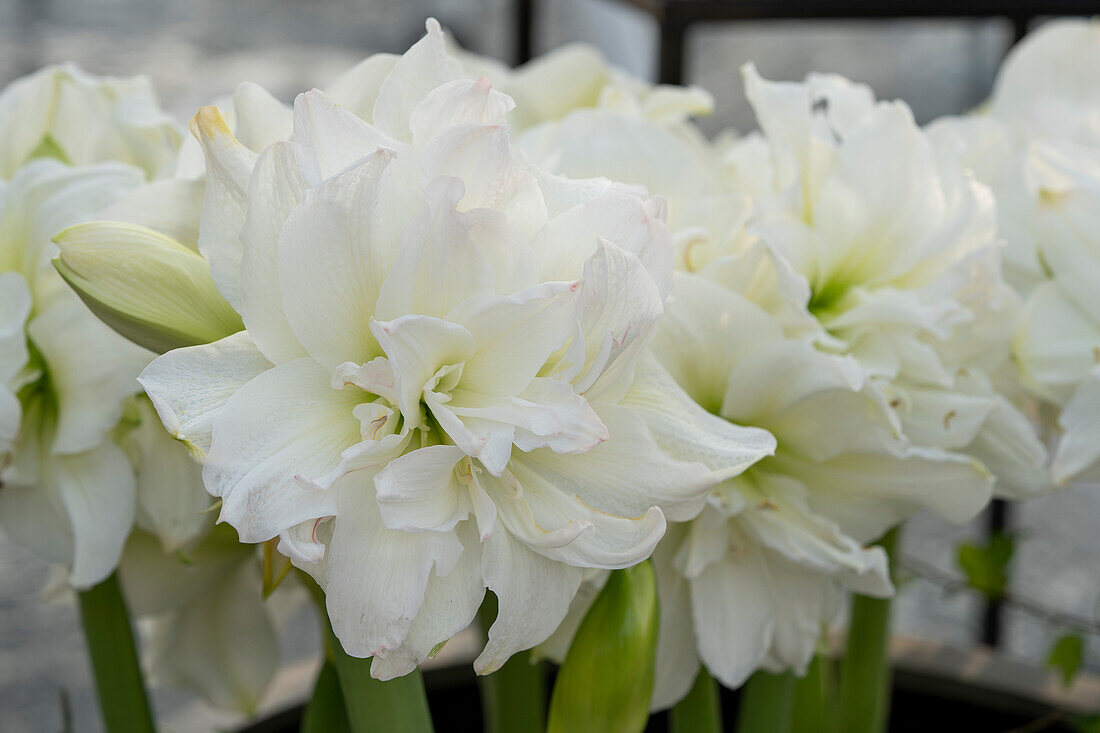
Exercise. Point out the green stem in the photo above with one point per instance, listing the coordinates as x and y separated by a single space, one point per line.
701 710
766 703
372 706
813 698
113 653
513 699
865 678
397 706
325 711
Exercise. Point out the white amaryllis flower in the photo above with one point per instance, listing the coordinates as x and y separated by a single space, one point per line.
823 287
68 490
433 381
1037 144
752 582
902 264
66 113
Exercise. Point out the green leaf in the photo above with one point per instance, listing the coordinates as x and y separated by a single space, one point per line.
607 678
1066 656
986 565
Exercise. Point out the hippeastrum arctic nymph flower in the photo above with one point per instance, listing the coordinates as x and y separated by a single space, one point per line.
752 581
63 112
433 379
1037 144
68 490
902 263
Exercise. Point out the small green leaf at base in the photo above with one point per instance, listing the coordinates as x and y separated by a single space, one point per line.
986 567
1066 656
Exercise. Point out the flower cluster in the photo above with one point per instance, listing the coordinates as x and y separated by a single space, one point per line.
447 328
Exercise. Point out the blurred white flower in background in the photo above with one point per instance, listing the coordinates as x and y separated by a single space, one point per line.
840 288
66 113
1037 144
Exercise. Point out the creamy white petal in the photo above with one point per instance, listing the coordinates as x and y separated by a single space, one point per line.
533 595
439 265
277 434
1079 447
564 527
228 167
420 491
275 189
450 604
417 347
331 265
91 370
328 139
459 102
372 612
190 386
425 66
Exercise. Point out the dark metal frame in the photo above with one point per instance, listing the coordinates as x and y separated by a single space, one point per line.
675 17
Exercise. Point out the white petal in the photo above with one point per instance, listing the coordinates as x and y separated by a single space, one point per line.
708 329
688 432
171 501
277 433
618 306
357 88
228 167
439 265
372 612
419 490
425 66
275 189
734 614
564 527
261 119
331 265
868 493
450 604
417 346
190 386
1079 447
1056 345
460 102
515 336
629 472
328 139
91 370
481 156
533 595
677 661
570 239
96 488
222 645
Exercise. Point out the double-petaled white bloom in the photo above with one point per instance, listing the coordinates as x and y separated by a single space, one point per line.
902 262
1037 144
852 307
63 112
439 378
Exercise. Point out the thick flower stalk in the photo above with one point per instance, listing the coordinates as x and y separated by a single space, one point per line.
1037 144
434 374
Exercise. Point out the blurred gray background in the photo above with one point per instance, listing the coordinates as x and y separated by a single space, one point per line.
197 49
